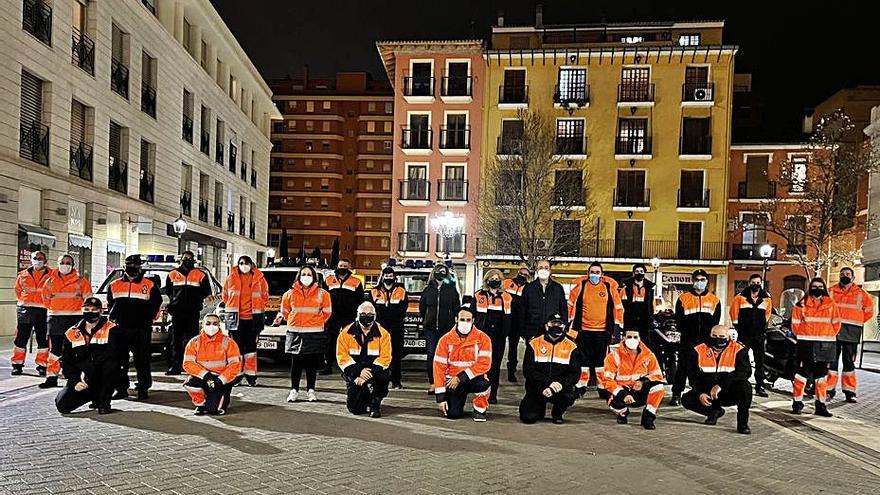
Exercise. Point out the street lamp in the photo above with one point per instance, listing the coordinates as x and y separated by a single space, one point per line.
766 252
658 282
270 256
179 227
448 226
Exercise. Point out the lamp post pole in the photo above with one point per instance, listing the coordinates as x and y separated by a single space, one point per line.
766 252
658 278
179 227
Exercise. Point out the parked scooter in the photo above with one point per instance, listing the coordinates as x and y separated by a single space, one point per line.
665 342
780 358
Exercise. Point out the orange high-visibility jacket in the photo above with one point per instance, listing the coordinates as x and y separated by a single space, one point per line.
232 295
854 304
815 320
598 304
510 286
351 353
465 357
485 302
218 355
64 294
28 287
624 367
306 310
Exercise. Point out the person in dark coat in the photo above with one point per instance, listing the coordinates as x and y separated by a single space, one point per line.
637 296
438 306
541 299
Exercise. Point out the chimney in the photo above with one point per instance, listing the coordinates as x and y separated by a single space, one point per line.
306 76
539 15
807 126
500 18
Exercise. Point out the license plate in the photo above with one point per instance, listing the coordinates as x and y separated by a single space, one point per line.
414 342
267 344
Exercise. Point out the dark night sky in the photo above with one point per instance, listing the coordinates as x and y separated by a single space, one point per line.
799 55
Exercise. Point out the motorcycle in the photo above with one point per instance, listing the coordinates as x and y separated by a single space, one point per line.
780 347
665 343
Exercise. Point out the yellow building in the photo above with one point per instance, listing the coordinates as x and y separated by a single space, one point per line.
647 107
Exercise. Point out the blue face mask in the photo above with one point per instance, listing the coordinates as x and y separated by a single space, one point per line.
594 278
700 285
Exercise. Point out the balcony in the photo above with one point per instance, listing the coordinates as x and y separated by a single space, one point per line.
83 52
414 192
513 97
148 100
418 89
633 148
230 222
567 196
694 201
631 199
698 94
242 227
37 20
456 141
81 161
635 95
218 153
147 183
456 89
412 242
218 216
118 176
33 139
621 249
509 146
576 96
205 142
253 178
417 140
233 158
756 190
187 129
454 246
695 147
119 78
572 148
750 252
203 210
186 202
253 230
452 192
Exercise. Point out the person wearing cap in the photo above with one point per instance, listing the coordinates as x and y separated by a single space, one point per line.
363 352
31 315
346 293
134 301
438 305
186 287
63 294
245 295
390 300
88 359
696 312
213 362
494 317
637 296
633 378
462 359
551 370
515 286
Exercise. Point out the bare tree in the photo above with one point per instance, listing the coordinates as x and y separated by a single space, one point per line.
537 203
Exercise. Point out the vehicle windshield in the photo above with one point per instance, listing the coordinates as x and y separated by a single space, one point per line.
279 281
414 283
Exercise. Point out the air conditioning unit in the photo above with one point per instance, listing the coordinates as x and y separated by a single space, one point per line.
732 225
543 244
702 94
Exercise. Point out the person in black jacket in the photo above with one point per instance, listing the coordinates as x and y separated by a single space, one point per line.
696 312
637 296
346 294
186 287
551 369
719 374
391 300
541 299
438 305
494 317
749 313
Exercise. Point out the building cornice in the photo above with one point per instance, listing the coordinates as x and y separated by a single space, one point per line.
643 54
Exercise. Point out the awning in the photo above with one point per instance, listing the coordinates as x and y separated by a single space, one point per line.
115 247
37 235
77 240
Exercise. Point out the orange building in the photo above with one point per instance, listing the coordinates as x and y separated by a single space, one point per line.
331 167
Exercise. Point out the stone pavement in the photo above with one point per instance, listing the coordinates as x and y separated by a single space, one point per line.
268 446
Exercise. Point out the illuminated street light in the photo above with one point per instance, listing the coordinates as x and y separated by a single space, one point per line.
448 226
766 252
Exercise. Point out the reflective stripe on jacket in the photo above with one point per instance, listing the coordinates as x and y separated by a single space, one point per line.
232 287
306 310
465 357
358 351
63 295
854 304
187 291
218 355
696 314
134 302
28 286
815 320
624 367
750 316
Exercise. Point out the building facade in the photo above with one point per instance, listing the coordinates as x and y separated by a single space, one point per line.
118 118
871 247
331 168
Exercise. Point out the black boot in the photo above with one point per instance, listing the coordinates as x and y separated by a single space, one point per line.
714 414
143 394
822 410
675 400
17 369
511 376
51 382
251 380
173 371
648 421
797 406
831 393
760 391
744 430
41 370
376 409
850 397
120 394
621 419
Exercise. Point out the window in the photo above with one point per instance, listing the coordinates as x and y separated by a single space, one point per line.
689 40
310 106
416 187
513 89
797 228
628 238
571 86
204 56
150 5
187 116
80 147
219 74
754 231
389 108
416 237
37 20
371 127
453 187
370 146
83 47
148 84
510 141
387 128
566 237
631 191
632 39
386 145
33 136
696 136
118 62
421 80
233 87
632 137
570 136
635 84
371 106
798 174
205 127
326 106
457 81
692 193
690 237
325 126
147 172
509 189
418 134
118 172
757 184
568 188
187 36
456 133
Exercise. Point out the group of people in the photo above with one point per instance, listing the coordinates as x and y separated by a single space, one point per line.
571 342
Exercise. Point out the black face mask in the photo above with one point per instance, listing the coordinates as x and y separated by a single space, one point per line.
520 279
494 284
91 316
388 281
132 271
440 276
756 287
343 272
719 342
639 277
366 320
845 280
815 292
555 332
188 264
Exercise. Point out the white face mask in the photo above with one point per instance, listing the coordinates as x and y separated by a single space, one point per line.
65 269
211 330
631 344
464 327
38 264
244 268
543 274
306 280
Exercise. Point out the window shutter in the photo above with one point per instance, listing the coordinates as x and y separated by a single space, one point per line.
31 99
77 123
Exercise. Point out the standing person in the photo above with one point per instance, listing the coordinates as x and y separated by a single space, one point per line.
89 361
719 375
815 321
438 306
596 313
363 351
750 311
464 356
390 300
31 315
213 362
637 296
346 293
186 287
134 302
551 370
514 286
306 307
541 299
245 294
63 294
633 378
856 309
696 312
494 317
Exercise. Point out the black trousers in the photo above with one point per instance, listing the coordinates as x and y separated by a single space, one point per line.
185 325
533 406
593 347
738 394
23 334
513 348
137 342
246 335
310 363
358 397
681 372
332 332
215 398
756 344
101 384
499 340
431 339
848 349
396 352
456 398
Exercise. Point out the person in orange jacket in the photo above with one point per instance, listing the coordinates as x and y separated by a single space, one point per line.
596 314
31 315
856 309
63 294
245 294
213 362
306 307
461 362
363 352
696 312
634 379
494 308
750 311
815 321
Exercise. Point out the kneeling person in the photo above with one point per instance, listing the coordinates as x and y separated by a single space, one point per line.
633 376
363 351
719 374
88 360
551 369
212 361
461 361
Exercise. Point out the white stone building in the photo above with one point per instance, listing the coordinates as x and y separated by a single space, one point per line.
871 247
118 116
